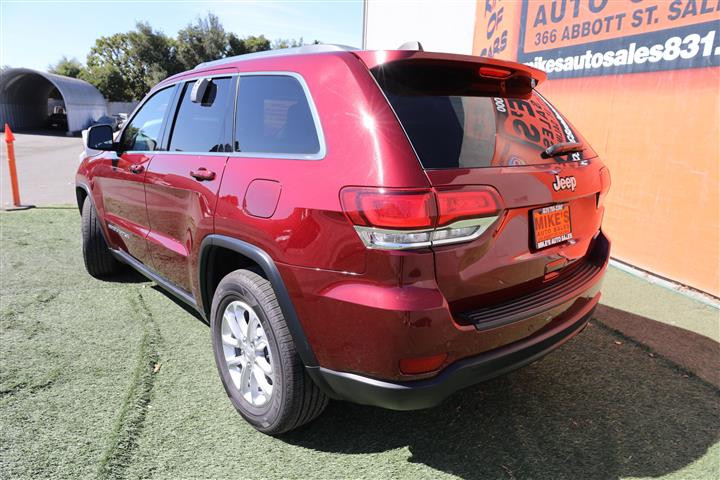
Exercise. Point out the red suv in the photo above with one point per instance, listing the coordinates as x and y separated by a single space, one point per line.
383 227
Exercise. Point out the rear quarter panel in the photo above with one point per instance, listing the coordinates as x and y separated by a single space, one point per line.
308 227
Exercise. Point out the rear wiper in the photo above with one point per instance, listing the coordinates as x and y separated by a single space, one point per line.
562 149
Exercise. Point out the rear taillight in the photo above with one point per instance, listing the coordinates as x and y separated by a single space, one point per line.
389 208
399 219
461 204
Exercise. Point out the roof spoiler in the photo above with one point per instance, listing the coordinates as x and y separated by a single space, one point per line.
487 67
412 45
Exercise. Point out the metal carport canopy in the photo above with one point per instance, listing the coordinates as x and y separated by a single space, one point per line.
24 99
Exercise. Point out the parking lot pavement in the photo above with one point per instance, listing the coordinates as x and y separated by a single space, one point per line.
46 165
114 379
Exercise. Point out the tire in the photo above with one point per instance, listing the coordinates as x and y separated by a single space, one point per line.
99 262
294 399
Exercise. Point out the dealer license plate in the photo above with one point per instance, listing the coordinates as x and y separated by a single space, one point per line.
551 225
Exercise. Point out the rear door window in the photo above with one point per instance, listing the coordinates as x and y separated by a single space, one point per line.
274 117
455 119
205 126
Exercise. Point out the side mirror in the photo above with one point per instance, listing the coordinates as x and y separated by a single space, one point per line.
198 91
100 137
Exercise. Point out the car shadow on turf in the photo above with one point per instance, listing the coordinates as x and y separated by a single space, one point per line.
600 407
181 304
127 275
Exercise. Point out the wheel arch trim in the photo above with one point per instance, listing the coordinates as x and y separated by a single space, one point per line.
266 263
88 194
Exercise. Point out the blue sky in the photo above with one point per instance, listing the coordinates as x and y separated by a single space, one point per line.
34 34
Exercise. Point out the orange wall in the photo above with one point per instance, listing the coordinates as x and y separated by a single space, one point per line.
658 131
661 144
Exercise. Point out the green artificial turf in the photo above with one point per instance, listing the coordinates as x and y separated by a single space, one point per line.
106 379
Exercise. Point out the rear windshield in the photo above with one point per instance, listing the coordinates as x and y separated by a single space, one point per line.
456 119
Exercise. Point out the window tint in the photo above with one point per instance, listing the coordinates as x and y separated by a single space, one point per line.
205 126
455 118
143 131
273 116
448 131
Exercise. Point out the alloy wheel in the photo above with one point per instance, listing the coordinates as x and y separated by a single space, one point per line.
247 353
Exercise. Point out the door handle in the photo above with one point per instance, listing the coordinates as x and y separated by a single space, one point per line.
137 168
202 174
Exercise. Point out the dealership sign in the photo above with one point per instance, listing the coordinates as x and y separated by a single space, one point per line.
579 38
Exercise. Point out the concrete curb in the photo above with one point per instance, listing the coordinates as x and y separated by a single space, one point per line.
665 283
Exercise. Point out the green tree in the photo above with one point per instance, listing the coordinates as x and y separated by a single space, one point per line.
108 67
251 44
154 54
256 44
69 67
206 40
124 66
290 43
203 41
109 80
286 43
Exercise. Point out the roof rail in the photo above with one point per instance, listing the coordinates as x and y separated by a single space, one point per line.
318 48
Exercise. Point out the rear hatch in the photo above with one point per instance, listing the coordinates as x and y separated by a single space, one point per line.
480 122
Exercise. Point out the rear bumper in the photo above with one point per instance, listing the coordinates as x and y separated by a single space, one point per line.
427 393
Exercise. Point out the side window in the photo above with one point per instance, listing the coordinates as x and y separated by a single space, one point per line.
205 126
273 116
143 131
